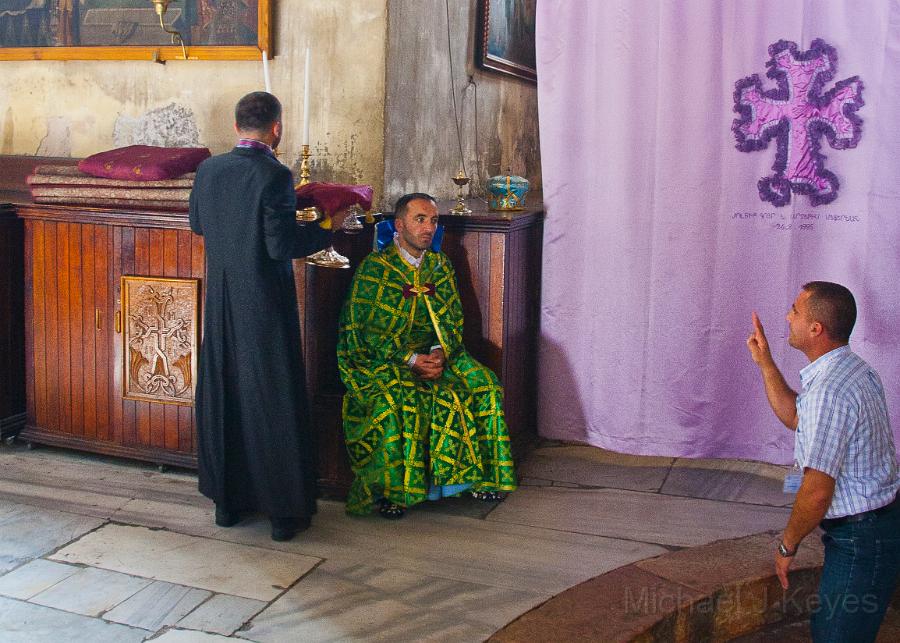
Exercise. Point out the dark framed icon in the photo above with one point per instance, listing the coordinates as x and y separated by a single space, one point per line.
506 42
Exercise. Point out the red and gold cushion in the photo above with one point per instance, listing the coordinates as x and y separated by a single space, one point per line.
333 197
144 162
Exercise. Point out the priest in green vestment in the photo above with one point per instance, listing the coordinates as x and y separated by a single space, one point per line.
422 418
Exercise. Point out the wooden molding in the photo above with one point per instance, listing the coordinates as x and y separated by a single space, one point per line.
157 456
164 219
157 53
148 53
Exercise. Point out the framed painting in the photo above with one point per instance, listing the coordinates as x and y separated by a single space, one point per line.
160 318
133 30
506 44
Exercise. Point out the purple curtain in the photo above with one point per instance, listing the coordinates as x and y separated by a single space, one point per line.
658 243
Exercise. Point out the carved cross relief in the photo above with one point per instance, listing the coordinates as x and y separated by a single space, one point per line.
161 326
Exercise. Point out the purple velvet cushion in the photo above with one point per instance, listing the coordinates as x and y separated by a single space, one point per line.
144 162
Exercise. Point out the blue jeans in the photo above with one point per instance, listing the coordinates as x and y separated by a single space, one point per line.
862 560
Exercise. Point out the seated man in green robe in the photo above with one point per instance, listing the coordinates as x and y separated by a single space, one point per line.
422 418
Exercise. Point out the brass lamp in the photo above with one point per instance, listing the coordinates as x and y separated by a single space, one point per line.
461 180
161 7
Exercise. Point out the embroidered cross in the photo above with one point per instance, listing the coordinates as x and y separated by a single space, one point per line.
414 291
797 114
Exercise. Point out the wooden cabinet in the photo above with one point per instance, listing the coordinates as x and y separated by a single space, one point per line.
74 259
497 258
12 348
74 367
321 293
14 190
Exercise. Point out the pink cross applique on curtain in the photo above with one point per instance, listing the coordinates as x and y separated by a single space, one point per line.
797 114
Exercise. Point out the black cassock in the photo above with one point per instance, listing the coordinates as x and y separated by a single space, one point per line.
255 447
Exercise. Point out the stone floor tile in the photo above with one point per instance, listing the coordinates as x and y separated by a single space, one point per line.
593 467
781 632
157 605
626 514
739 576
65 469
27 532
545 561
486 604
322 607
732 480
34 577
443 628
618 606
91 591
76 501
798 632
102 485
191 636
465 505
722 563
185 518
451 570
251 572
222 614
25 622
526 481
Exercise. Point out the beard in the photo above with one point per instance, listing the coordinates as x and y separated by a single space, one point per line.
420 242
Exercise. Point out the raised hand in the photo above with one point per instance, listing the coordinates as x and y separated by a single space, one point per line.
757 343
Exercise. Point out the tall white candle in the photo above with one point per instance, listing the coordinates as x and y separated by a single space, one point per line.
265 59
306 100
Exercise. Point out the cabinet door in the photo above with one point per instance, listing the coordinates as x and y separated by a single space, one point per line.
12 348
68 337
153 427
92 343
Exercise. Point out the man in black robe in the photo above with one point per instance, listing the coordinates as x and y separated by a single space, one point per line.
254 441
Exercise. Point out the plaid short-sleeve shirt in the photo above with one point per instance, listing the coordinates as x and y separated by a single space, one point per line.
843 431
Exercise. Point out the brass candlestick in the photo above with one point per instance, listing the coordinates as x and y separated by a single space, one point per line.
329 257
311 213
460 208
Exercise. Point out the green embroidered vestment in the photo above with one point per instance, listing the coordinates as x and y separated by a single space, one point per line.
402 433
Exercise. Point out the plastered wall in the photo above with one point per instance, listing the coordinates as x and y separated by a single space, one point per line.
394 130
76 108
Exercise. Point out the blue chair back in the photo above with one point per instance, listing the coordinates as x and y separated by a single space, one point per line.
384 236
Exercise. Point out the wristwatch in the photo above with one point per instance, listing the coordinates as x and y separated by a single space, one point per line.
784 552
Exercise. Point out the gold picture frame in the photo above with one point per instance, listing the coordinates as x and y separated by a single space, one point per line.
63 24
161 335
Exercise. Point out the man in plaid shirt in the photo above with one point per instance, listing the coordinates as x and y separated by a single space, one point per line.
846 449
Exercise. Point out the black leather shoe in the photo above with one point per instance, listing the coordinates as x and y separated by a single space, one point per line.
286 528
225 518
